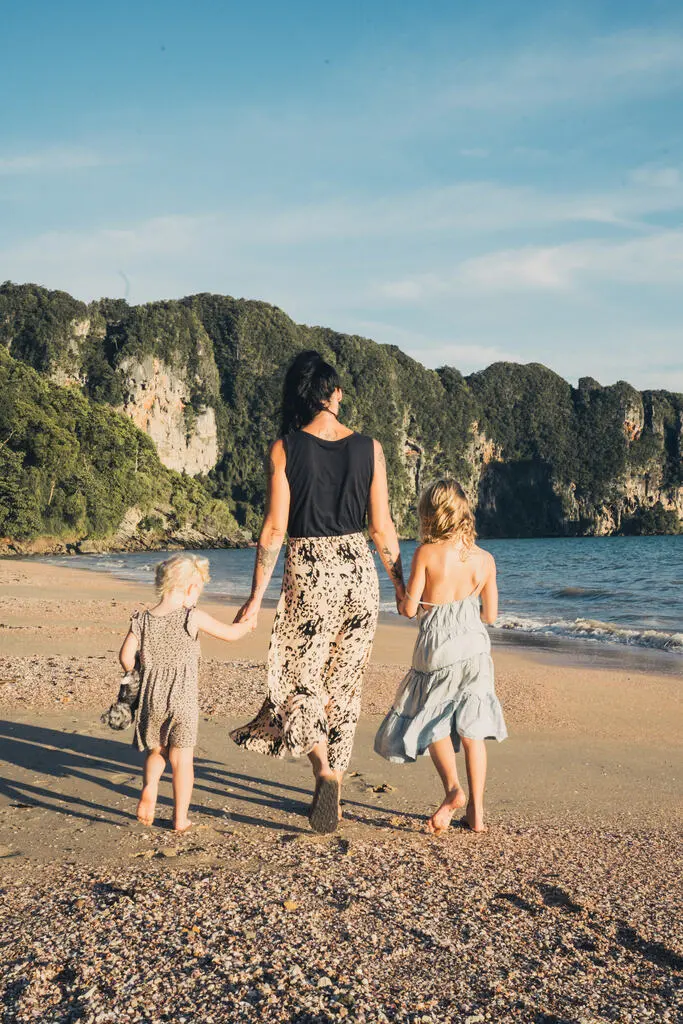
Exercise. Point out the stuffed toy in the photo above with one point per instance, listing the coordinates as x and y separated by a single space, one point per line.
121 714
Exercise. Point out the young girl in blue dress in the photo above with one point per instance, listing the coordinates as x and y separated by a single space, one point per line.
448 699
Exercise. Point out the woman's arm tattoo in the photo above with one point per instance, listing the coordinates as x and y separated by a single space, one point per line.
394 566
266 557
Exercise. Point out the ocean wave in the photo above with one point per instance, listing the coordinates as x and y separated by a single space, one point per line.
583 592
594 629
585 629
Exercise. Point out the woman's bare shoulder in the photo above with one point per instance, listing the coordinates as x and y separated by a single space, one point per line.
277 453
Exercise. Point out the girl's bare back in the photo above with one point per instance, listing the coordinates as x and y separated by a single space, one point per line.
449 577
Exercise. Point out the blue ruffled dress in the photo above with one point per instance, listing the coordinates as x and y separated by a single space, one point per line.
449 690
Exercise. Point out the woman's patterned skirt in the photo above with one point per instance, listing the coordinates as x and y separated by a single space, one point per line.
321 641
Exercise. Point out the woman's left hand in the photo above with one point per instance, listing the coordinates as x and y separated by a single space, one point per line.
249 610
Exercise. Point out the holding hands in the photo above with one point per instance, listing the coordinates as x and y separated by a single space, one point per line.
248 613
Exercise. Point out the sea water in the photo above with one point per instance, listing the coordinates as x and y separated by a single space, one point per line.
610 590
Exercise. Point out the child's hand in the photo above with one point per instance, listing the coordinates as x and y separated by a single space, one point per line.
249 610
245 626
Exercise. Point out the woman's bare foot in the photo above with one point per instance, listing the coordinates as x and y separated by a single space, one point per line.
147 806
182 826
441 819
474 819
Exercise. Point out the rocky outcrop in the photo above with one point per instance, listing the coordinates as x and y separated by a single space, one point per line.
158 402
480 452
153 531
67 369
526 496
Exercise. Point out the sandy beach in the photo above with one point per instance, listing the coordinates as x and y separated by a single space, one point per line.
569 909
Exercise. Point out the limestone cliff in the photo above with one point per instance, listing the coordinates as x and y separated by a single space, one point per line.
648 485
77 475
202 377
154 365
158 402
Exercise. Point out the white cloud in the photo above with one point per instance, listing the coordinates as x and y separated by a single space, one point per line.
159 236
658 177
454 212
657 259
532 268
653 260
466 355
597 70
51 161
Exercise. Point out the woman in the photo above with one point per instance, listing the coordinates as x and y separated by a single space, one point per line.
323 480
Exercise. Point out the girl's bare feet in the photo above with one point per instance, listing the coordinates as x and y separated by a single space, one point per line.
474 818
441 819
182 826
147 806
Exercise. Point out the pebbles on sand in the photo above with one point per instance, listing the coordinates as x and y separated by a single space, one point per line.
533 924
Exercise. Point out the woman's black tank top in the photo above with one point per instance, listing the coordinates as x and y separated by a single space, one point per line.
329 483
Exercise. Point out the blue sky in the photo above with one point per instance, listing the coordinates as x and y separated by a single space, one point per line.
470 182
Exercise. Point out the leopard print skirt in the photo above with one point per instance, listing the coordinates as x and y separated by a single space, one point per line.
322 637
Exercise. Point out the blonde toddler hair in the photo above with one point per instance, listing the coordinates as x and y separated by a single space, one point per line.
445 514
181 571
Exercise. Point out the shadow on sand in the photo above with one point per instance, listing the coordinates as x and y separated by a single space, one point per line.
51 757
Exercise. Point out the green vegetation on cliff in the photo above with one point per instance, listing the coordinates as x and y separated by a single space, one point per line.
73 468
538 456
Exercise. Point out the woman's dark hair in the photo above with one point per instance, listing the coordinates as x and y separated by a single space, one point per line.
309 384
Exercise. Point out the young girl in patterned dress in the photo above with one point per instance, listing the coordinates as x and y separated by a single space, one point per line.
448 697
167 640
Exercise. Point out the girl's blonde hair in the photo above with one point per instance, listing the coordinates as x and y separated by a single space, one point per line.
445 514
180 571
